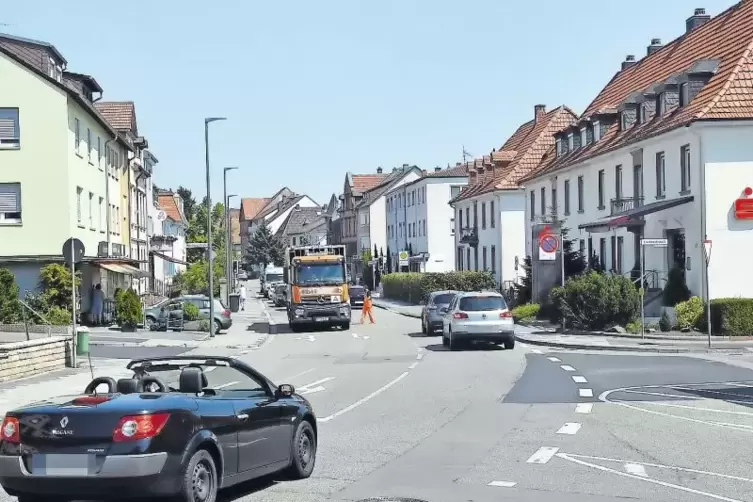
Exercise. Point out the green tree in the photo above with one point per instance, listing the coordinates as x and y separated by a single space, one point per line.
10 308
195 280
265 248
189 202
197 230
56 283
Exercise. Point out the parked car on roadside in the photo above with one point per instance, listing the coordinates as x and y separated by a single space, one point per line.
163 315
272 292
433 310
478 316
357 294
242 276
281 295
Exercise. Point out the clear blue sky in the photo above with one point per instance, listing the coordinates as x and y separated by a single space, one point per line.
313 89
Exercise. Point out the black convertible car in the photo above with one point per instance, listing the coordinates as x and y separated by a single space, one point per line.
166 431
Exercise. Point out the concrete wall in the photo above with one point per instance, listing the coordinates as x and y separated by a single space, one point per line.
33 357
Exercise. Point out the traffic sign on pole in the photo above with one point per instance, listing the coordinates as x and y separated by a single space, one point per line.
548 244
707 250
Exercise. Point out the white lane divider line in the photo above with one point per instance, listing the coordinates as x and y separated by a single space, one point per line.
365 399
210 368
584 407
585 393
536 351
412 366
420 356
306 372
636 469
567 368
312 338
318 382
569 428
554 359
580 379
224 385
312 390
503 484
543 455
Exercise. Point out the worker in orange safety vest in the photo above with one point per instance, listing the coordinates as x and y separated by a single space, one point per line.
367 308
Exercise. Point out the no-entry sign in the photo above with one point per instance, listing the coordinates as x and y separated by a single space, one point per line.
548 244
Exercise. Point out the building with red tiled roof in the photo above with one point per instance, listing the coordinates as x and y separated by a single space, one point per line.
493 201
663 151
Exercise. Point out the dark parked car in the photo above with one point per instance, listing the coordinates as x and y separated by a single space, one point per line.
172 429
357 294
163 316
432 314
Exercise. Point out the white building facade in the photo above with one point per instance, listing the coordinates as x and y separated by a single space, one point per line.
420 219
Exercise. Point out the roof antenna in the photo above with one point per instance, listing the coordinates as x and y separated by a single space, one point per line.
466 154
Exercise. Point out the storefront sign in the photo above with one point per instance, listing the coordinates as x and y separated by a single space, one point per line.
744 205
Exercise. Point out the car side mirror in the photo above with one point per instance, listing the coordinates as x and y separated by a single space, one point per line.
444 310
285 390
433 307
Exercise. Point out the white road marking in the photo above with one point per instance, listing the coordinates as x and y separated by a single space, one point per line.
365 399
355 335
579 379
318 382
311 338
243 351
225 385
297 375
503 484
569 428
209 368
585 393
697 408
536 351
412 366
542 455
312 390
567 368
584 407
554 359
648 480
366 337
636 469
420 356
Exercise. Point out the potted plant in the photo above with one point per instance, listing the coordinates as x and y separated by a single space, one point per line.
128 313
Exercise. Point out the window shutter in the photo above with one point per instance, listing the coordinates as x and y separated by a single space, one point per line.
10 197
8 128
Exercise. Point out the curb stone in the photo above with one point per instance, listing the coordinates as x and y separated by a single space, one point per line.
388 309
630 348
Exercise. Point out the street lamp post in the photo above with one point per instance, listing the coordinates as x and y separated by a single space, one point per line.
228 263
228 244
208 121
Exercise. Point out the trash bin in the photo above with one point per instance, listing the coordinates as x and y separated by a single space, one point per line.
235 302
82 341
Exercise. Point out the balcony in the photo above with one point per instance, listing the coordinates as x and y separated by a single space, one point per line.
469 235
621 205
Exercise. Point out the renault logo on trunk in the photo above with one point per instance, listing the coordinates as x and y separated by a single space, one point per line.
64 422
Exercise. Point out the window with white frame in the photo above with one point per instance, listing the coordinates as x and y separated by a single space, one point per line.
91 210
597 131
661 176
10 134
10 203
492 218
567 197
580 193
685 168
77 134
101 214
89 144
79 191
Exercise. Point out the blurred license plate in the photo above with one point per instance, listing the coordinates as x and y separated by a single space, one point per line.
321 319
63 465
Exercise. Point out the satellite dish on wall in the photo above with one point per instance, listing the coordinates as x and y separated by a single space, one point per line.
161 216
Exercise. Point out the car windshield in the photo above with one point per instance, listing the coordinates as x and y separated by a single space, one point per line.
273 277
443 299
482 303
320 274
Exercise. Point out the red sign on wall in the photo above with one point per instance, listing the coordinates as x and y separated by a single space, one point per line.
744 205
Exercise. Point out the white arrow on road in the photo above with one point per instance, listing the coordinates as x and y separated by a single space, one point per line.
314 386
312 390
365 337
310 338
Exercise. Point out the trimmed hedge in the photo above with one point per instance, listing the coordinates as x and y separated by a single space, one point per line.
414 287
526 312
731 316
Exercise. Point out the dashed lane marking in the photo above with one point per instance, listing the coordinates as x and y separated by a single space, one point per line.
567 368
636 469
570 428
306 372
543 455
585 393
537 351
503 484
580 379
584 407
554 359
420 356
224 385
413 366
365 399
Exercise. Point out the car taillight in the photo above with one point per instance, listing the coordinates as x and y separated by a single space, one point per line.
226 313
9 432
91 400
135 427
505 315
460 315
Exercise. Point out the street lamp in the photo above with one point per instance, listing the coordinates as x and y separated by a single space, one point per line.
228 263
228 244
208 121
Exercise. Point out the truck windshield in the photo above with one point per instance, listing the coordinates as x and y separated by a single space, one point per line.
320 274
273 277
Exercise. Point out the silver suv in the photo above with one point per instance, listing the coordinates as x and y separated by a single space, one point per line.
478 316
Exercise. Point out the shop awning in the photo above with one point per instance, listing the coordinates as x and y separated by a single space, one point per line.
122 268
168 258
632 217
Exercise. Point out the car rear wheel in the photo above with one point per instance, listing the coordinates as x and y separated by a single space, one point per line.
217 327
303 451
510 344
454 342
423 326
200 479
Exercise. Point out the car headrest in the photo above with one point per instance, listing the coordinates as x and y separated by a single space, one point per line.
192 380
128 386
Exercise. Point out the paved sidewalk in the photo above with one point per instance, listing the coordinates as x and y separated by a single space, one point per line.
397 307
631 343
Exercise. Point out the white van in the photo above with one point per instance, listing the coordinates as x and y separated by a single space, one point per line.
270 275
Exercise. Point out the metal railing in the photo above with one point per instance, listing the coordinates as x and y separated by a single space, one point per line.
34 313
622 204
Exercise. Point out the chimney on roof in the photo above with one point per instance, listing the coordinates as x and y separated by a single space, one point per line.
379 170
394 169
297 207
437 169
629 61
699 18
655 46
405 166
538 112
423 172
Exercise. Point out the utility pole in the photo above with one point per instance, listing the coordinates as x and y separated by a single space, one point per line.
210 258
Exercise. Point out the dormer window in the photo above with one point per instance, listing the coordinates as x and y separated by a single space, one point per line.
623 121
596 131
660 107
558 147
684 94
570 142
589 135
641 115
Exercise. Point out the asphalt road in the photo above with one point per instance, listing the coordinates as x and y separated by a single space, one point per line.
400 416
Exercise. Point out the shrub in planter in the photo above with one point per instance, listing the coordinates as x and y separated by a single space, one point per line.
191 312
525 313
731 316
128 313
689 313
414 287
10 308
58 316
665 321
595 301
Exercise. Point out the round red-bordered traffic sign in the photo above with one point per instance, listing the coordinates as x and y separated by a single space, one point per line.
549 243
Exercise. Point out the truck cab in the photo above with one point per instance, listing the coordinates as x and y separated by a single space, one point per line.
318 289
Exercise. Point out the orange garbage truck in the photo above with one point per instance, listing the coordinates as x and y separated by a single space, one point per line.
317 287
